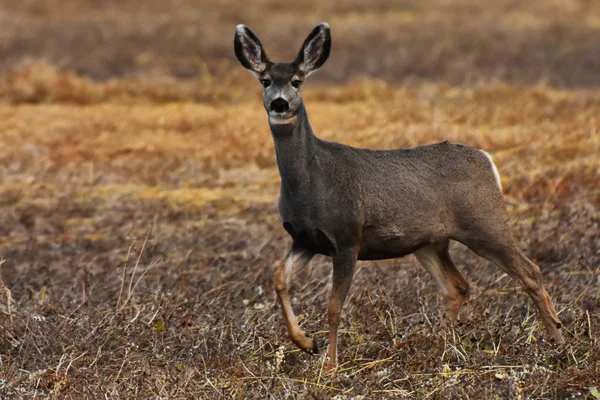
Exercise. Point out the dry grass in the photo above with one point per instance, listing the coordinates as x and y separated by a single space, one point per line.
138 229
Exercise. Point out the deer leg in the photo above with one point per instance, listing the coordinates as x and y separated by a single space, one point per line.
297 257
344 264
532 281
512 261
436 260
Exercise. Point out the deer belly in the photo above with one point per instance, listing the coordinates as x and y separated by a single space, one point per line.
384 245
313 239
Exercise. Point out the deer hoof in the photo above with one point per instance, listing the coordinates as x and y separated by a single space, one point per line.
331 369
557 338
314 350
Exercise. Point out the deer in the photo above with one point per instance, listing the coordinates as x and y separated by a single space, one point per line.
356 204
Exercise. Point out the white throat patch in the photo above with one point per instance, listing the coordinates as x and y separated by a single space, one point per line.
273 120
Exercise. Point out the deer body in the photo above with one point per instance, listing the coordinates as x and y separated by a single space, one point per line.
335 195
360 204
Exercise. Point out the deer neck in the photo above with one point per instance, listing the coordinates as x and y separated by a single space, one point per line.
295 147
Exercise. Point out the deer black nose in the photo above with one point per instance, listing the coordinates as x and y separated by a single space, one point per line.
280 105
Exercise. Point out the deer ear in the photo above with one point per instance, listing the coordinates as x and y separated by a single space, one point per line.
315 50
249 50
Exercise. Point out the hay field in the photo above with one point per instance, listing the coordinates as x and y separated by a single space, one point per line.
138 228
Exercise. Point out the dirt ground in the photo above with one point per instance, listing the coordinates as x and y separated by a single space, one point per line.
138 184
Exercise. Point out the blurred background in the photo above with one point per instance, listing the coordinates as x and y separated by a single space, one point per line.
138 191
457 41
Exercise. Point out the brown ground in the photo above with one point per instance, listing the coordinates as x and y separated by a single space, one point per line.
138 229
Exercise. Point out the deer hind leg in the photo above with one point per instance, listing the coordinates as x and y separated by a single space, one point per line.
505 254
435 258
297 257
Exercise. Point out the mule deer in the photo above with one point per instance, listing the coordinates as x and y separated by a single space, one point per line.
360 204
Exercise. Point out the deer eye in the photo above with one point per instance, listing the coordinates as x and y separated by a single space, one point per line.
296 83
265 82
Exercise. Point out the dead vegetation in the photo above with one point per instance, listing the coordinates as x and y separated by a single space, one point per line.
138 229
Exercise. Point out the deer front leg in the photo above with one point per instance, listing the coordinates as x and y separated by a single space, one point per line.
344 264
297 257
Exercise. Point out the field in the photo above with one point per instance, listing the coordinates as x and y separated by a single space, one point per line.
138 188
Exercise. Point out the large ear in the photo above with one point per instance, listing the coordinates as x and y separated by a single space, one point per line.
315 50
249 50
